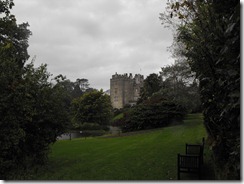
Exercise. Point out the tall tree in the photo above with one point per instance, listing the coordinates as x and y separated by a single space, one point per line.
151 85
32 115
210 33
13 37
80 86
180 85
13 54
32 112
92 107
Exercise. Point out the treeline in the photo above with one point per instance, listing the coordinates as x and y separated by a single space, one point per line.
165 99
34 108
88 109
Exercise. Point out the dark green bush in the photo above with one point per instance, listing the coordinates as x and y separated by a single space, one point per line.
32 115
153 113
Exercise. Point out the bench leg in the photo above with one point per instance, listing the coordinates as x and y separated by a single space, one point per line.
199 173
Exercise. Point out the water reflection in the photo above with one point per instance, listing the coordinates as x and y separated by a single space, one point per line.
71 135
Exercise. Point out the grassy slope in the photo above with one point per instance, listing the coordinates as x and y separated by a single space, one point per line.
119 116
148 156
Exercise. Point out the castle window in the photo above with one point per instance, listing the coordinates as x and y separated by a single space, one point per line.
115 91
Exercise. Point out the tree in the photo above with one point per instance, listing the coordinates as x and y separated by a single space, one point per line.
178 72
80 86
151 85
74 89
92 107
13 54
83 84
32 112
155 112
32 115
45 109
13 37
210 33
180 85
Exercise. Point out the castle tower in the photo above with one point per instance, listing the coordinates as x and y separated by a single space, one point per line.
124 89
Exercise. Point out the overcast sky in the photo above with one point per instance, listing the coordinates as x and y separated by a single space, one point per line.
93 39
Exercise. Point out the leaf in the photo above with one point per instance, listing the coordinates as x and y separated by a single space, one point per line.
181 16
177 5
232 72
230 28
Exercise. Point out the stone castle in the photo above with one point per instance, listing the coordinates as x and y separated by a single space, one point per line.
125 89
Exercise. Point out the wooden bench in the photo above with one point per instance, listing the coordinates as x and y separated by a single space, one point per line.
196 149
189 164
192 161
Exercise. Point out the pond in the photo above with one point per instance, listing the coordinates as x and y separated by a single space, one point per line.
86 133
71 135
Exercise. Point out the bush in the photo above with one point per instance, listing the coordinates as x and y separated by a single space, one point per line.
117 111
32 115
94 106
153 113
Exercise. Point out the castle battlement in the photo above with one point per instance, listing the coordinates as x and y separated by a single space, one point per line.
125 89
127 76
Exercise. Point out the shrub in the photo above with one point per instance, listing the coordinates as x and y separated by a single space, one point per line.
32 115
153 113
94 106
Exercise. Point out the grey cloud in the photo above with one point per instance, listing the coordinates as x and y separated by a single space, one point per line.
93 39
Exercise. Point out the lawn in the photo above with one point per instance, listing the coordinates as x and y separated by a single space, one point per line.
151 155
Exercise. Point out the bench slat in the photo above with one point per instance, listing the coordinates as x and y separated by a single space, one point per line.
189 164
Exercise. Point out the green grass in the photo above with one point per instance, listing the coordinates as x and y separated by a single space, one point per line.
119 116
147 156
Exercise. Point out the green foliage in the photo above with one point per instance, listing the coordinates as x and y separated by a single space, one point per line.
32 112
32 115
153 113
13 37
74 89
80 86
90 126
92 107
48 113
118 117
151 85
180 72
117 111
210 32
180 86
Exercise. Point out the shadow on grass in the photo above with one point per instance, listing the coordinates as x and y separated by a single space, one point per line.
207 172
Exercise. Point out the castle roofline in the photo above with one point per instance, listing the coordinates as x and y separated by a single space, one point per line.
126 76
